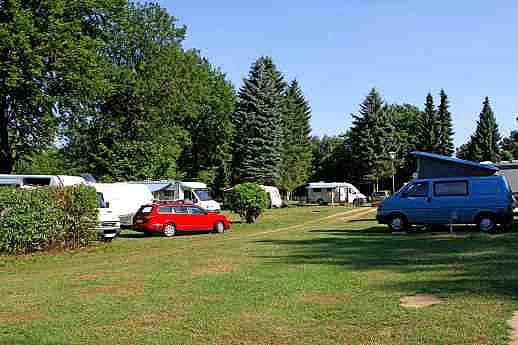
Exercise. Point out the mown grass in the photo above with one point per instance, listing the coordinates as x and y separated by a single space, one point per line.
334 280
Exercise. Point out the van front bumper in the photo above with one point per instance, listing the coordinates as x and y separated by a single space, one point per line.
108 229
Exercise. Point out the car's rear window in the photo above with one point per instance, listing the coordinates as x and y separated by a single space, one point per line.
165 209
180 209
146 209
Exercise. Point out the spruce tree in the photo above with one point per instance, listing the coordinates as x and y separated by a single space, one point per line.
484 144
258 125
445 142
296 148
370 139
429 128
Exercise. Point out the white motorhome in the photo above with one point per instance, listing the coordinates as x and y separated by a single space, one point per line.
170 190
40 180
334 192
275 200
124 199
109 223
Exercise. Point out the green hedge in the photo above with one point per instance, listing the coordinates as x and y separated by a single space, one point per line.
43 218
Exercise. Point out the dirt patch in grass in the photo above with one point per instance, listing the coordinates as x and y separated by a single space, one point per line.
324 298
213 268
146 320
419 301
513 324
13 317
114 289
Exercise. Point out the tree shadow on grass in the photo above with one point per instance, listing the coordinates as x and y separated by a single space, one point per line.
454 263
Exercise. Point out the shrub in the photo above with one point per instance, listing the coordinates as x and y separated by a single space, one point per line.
36 219
248 200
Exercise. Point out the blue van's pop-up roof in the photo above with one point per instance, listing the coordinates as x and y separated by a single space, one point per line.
431 165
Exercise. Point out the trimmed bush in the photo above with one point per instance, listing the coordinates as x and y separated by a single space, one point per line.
40 218
248 200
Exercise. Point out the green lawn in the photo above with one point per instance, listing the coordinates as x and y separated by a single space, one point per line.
300 276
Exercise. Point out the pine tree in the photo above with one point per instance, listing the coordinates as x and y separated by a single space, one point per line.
484 144
370 139
429 128
258 125
446 133
296 148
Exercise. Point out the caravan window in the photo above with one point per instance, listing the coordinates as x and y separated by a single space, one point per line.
36 181
317 190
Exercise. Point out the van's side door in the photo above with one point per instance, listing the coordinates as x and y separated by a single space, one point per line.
450 202
415 202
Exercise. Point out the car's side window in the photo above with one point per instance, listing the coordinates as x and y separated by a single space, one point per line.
196 210
180 210
165 209
450 188
419 189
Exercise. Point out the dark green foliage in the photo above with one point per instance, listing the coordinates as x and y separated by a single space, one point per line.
370 139
47 162
510 146
331 159
258 125
37 219
49 68
429 129
484 144
446 133
296 147
248 200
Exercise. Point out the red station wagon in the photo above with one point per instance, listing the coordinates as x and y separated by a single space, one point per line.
167 218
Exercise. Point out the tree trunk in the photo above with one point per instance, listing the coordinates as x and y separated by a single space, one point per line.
6 158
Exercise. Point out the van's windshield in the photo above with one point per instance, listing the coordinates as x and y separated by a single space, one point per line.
203 194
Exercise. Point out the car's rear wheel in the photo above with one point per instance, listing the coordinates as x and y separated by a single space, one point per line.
169 230
486 223
397 223
219 227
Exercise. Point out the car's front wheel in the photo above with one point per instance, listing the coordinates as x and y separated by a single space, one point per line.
219 227
397 223
169 230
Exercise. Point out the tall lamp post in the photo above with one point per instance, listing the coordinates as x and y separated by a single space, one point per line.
393 158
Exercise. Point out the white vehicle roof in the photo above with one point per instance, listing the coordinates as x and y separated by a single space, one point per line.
124 196
61 180
270 188
194 185
313 185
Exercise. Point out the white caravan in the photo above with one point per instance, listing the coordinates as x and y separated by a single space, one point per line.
334 192
109 224
124 199
275 200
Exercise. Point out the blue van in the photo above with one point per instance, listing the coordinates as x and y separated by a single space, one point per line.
484 201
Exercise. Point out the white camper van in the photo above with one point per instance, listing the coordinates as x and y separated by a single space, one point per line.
124 199
109 224
275 200
40 180
199 194
334 192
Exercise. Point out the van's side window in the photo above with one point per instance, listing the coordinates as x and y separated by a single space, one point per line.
450 188
317 190
419 189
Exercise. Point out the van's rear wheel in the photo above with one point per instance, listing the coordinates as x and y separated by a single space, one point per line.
219 228
398 223
486 223
169 230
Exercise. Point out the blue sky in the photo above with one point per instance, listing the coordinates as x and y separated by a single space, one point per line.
340 49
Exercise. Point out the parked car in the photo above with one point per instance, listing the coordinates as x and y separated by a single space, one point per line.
379 195
109 223
168 218
484 201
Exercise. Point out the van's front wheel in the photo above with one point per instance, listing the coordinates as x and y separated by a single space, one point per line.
486 223
397 223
